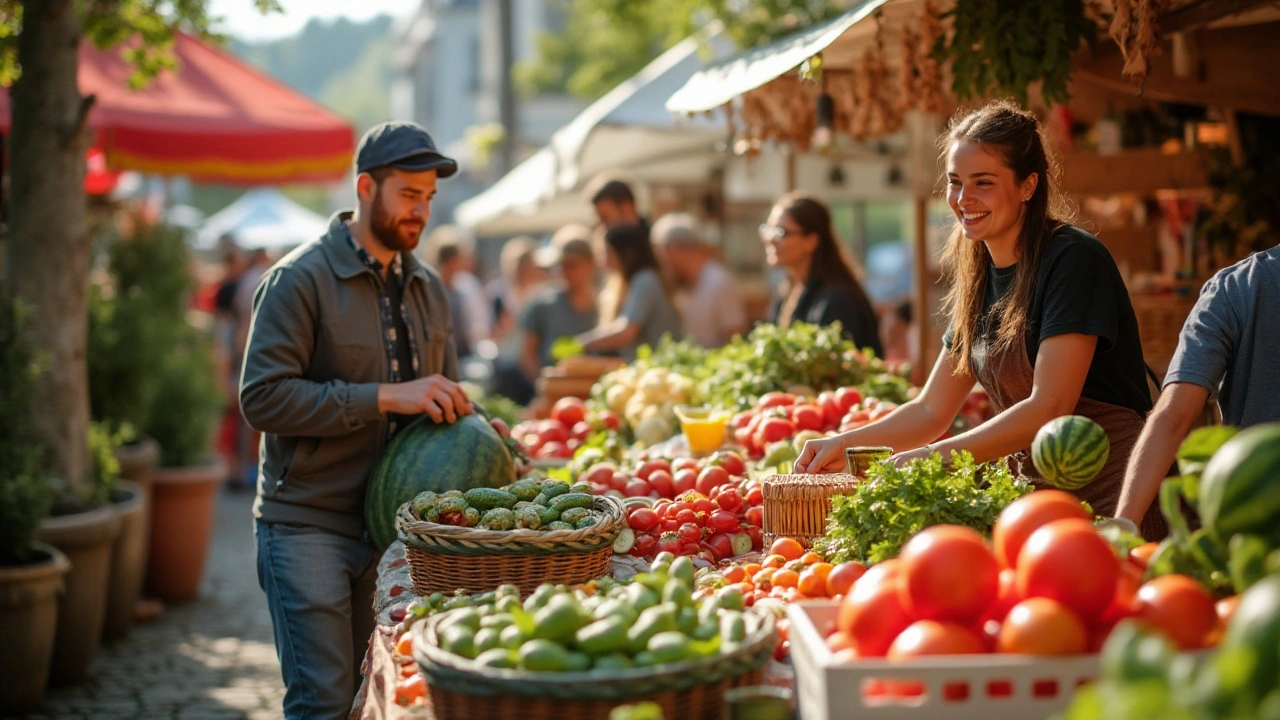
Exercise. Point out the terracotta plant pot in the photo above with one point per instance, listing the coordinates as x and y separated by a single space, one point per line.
28 623
128 560
183 503
86 539
138 462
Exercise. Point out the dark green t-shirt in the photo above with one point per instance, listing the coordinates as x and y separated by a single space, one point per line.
1079 290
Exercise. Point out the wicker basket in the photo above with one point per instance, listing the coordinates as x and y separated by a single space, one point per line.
462 690
797 506
444 558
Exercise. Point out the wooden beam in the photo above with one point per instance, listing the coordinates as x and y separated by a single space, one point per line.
922 316
1202 12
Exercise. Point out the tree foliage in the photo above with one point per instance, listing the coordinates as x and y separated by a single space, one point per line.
604 42
141 29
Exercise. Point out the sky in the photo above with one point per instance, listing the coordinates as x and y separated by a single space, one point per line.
242 19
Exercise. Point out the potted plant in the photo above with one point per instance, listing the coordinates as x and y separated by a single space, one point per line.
31 572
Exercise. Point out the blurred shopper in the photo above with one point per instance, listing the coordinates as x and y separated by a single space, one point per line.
614 202
227 332
821 285
896 330
521 279
474 309
637 307
707 294
448 260
349 342
565 311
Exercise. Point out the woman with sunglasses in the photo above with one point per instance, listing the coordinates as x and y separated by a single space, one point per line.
636 307
821 286
1039 316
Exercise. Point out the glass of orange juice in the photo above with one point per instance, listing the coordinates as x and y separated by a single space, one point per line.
703 428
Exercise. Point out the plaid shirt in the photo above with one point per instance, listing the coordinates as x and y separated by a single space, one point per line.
389 338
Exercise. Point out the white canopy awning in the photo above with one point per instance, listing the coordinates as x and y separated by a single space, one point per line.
628 130
262 218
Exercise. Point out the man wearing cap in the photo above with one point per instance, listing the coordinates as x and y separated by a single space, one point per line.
709 301
350 339
566 311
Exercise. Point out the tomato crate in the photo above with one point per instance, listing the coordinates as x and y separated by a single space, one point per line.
958 687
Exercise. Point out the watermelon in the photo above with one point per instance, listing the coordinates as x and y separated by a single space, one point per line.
438 457
1238 490
1070 451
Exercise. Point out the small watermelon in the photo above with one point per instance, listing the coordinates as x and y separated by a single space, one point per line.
1238 488
1070 451
439 457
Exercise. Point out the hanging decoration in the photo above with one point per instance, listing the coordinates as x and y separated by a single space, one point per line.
1135 29
878 111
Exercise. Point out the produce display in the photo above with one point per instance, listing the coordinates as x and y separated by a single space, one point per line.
423 456
649 622
894 504
776 428
1049 584
570 426
527 504
1070 451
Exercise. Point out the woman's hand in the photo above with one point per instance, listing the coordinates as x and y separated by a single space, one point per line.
902 458
822 456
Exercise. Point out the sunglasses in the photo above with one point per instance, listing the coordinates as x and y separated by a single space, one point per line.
775 233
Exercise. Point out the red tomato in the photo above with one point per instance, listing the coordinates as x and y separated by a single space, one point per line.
690 549
662 483
643 520
1141 555
872 615
729 499
774 429
690 532
775 399
599 473
607 419
661 507
553 431
569 410
619 481
711 478
755 496
704 506
646 546
1040 626
732 462
670 542
721 544
843 576
670 523
1068 561
742 419
684 481
808 417
554 449
1179 607
637 488
930 637
1006 597
831 412
649 467
686 515
948 574
757 536
755 515
1026 515
682 464
722 521
846 398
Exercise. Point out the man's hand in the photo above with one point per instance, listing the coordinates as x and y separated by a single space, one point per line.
822 456
437 396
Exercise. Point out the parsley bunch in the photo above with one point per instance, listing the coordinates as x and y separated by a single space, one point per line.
894 504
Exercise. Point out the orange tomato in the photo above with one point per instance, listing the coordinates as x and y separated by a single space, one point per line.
1006 596
930 637
811 558
404 646
1040 626
788 548
1179 607
1028 514
1068 561
785 579
872 614
410 690
735 574
813 581
774 561
764 577
838 641
784 629
948 574
843 576
1141 555
1226 609
752 568
1123 604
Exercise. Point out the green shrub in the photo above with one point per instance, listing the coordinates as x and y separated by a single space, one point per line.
187 404
25 493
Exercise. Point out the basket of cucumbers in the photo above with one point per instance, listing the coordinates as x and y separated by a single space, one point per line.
569 654
524 534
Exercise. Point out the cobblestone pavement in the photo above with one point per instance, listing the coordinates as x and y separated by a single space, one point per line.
208 659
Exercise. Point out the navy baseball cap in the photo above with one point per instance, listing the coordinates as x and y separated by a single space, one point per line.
402 145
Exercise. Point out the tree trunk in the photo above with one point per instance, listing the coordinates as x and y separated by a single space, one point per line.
48 245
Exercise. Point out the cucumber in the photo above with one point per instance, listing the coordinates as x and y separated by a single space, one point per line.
571 500
490 498
624 542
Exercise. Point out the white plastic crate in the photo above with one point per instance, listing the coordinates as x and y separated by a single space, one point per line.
972 687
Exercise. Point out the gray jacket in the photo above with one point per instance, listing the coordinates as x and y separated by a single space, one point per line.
312 366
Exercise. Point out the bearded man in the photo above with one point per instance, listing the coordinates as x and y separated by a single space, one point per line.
350 340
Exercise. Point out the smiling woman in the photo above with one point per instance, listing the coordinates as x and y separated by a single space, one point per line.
1038 315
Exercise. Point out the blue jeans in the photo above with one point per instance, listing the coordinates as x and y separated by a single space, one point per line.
319 587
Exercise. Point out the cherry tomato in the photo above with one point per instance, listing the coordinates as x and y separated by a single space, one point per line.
729 499
732 462
646 546
643 520
662 483
690 533
755 516
711 478
722 521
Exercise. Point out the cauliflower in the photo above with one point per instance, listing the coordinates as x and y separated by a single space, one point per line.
653 430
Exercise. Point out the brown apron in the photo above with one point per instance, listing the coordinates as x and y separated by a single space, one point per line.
1007 376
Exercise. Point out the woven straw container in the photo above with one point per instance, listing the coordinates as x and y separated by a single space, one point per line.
797 506
462 690
444 558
